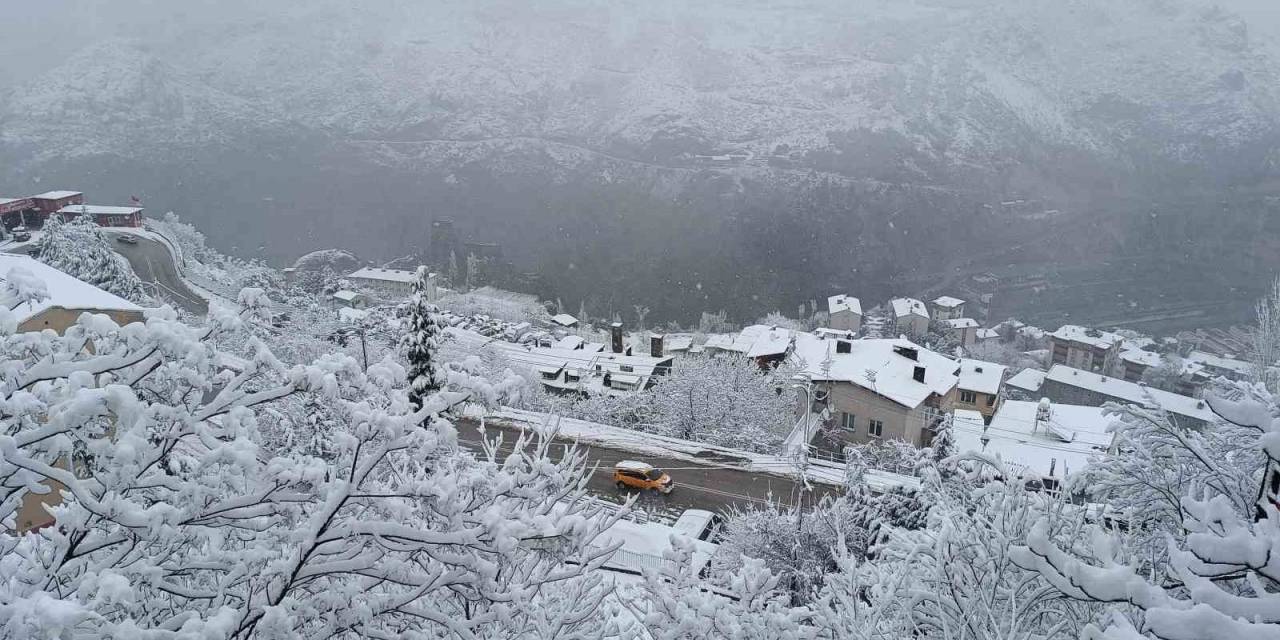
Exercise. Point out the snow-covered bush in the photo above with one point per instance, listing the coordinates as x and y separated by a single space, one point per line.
174 521
80 249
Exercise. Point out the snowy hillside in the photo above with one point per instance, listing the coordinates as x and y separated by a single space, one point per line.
951 81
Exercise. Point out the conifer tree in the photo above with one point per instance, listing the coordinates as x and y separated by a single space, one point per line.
422 342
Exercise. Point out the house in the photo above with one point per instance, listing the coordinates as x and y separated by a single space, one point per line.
564 320
946 308
878 388
13 211
844 313
910 316
350 299
1028 381
965 330
67 299
1134 362
1221 366
50 202
767 345
1075 386
391 283
1042 440
104 216
1083 348
980 386
987 335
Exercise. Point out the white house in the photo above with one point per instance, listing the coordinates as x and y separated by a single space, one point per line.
878 389
391 283
964 329
946 308
910 316
844 312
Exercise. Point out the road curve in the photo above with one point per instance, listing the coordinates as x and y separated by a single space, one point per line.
154 264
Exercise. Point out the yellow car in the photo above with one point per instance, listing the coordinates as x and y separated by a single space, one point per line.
630 474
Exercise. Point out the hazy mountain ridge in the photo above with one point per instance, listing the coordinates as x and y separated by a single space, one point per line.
830 145
955 82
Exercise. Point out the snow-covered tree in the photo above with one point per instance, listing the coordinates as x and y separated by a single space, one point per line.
1223 567
80 249
174 521
1265 351
727 401
421 341
804 547
676 604
955 578
1155 463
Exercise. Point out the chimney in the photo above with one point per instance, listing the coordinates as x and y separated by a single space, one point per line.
655 345
615 334
918 374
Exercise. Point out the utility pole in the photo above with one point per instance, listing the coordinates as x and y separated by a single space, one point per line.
364 349
803 466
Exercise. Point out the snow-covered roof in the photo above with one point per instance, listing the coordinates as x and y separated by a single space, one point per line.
98 210
1130 392
4 200
988 334
947 302
1060 443
887 360
903 307
63 290
1141 356
569 342
564 319
1027 380
981 376
842 302
1231 364
679 342
347 314
56 195
962 323
346 295
1085 335
755 341
384 275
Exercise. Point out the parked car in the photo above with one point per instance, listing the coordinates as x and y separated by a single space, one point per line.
697 524
127 239
21 234
642 476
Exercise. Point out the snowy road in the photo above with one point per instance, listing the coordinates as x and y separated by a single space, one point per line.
698 486
153 263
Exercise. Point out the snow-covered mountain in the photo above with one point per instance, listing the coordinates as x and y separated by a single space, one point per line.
927 109
946 81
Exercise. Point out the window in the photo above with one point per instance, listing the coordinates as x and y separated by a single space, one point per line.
875 428
968 397
991 401
848 421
